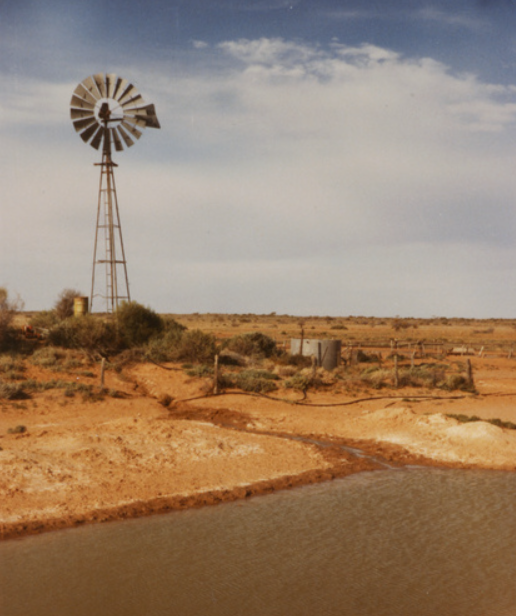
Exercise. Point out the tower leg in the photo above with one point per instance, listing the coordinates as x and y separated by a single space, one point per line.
107 262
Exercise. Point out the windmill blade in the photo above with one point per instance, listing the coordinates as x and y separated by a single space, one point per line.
135 121
121 85
118 144
129 93
80 125
134 132
89 132
132 101
91 86
128 141
147 114
101 85
95 142
81 104
80 113
110 84
84 94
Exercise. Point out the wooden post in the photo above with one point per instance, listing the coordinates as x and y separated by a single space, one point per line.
102 370
396 376
216 376
412 359
470 373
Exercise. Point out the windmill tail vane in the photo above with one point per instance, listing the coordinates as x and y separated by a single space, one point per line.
108 110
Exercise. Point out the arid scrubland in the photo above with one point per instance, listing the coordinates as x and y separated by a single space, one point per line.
102 419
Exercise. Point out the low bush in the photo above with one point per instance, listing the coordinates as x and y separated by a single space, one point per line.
164 346
11 367
13 391
17 430
8 310
87 332
137 323
63 307
255 345
301 381
256 381
197 347
201 371
44 320
47 357
300 361
509 425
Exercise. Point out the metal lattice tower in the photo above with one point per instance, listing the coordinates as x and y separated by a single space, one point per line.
106 109
109 256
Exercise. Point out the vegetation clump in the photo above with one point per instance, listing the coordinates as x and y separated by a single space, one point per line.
8 310
64 305
196 346
472 418
13 391
17 430
255 345
255 381
137 324
88 332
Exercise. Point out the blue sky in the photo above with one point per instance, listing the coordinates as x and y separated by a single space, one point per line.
315 157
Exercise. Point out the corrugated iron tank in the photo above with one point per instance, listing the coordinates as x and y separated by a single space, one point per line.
326 352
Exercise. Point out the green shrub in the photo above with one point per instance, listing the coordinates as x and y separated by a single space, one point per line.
63 307
89 332
196 346
46 319
165 345
256 381
203 370
11 367
18 430
300 361
255 344
362 357
13 391
456 381
470 418
8 310
47 357
137 324
299 381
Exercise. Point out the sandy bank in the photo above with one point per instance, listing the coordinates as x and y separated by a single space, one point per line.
128 456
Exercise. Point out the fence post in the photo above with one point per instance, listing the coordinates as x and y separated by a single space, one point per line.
216 375
396 376
470 373
102 370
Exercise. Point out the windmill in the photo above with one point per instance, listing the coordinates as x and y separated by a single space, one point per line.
108 110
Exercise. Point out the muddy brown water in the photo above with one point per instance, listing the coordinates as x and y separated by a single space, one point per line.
399 542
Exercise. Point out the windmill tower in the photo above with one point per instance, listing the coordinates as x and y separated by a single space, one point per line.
107 110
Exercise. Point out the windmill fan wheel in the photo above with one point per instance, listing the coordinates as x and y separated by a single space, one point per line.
106 109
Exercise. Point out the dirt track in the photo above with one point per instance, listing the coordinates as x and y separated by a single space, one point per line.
128 455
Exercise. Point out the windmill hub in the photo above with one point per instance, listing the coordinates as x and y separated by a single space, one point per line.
108 110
